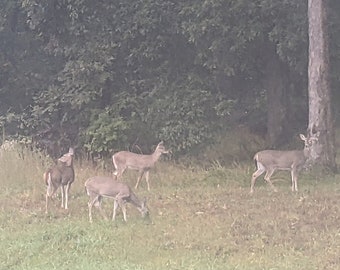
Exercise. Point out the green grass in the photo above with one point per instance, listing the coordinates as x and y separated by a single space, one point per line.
200 219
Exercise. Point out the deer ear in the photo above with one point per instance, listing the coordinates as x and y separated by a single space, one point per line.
313 139
303 137
71 151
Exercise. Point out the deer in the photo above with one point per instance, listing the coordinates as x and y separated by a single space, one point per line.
61 175
99 187
271 160
143 163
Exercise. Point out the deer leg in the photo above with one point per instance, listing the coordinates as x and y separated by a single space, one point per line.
46 204
141 173
122 205
50 192
269 173
90 204
62 189
115 206
119 172
147 179
66 194
98 204
260 170
124 211
294 175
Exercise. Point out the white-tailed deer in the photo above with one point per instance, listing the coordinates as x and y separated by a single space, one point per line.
98 187
271 160
60 175
143 163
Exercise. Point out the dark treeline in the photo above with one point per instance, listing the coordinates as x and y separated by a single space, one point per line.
102 75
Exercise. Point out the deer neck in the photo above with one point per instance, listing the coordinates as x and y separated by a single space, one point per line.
306 152
135 201
155 156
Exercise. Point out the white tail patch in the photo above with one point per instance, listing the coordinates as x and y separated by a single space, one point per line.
114 164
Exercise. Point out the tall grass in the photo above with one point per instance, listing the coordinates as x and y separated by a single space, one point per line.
200 219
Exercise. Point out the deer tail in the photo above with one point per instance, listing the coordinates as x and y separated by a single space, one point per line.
85 188
115 173
46 176
255 159
114 162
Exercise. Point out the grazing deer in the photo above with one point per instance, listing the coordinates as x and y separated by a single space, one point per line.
60 175
98 187
143 163
271 160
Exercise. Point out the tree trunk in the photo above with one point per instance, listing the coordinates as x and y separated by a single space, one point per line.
320 111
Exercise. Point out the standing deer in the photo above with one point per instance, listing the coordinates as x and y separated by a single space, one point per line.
143 163
271 160
98 187
60 175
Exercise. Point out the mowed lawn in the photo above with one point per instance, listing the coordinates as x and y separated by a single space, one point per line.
200 219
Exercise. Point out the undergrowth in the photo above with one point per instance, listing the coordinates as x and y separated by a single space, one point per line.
201 218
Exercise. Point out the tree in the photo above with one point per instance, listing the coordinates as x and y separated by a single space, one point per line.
320 110
103 74
251 53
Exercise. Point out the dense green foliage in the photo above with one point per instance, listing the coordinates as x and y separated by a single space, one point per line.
105 74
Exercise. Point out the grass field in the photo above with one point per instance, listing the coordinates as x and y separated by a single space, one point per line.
200 219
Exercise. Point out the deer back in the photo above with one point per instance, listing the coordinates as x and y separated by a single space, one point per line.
138 161
134 161
107 186
281 159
